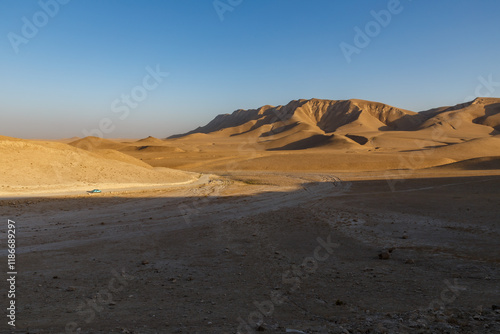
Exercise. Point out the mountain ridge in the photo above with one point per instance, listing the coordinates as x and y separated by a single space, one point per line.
353 115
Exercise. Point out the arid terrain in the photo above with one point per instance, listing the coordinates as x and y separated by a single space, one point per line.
319 216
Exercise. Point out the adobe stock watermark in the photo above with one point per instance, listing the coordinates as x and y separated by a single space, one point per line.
31 26
407 166
11 272
250 148
372 29
291 278
447 296
223 6
89 309
486 88
123 105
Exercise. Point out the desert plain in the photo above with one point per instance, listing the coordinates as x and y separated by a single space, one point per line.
318 216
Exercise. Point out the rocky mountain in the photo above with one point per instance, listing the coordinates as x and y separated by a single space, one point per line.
315 122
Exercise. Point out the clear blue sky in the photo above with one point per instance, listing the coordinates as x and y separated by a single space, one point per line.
65 78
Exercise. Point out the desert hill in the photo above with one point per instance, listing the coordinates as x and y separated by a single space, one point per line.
95 143
323 115
304 135
334 116
313 123
480 117
150 141
338 135
44 165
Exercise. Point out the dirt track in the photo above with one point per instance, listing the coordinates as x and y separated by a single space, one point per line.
214 258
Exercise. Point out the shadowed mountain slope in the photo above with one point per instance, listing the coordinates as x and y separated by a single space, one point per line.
303 124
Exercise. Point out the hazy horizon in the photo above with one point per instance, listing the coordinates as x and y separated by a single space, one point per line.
69 65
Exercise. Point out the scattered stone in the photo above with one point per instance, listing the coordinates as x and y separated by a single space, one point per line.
384 256
70 288
404 237
144 262
495 307
339 302
409 261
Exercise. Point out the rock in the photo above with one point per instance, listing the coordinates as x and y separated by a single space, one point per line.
144 262
384 256
409 261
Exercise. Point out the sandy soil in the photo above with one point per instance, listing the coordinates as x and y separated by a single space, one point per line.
295 251
49 168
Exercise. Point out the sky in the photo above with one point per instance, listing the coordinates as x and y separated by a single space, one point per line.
130 69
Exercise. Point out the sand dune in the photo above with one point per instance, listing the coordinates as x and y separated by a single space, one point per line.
306 124
93 143
326 115
478 118
5 138
338 135
118 156
150 141
151 148
475 148
332 141
35 166
484 163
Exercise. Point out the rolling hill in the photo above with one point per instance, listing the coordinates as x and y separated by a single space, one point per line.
44 165
353 124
